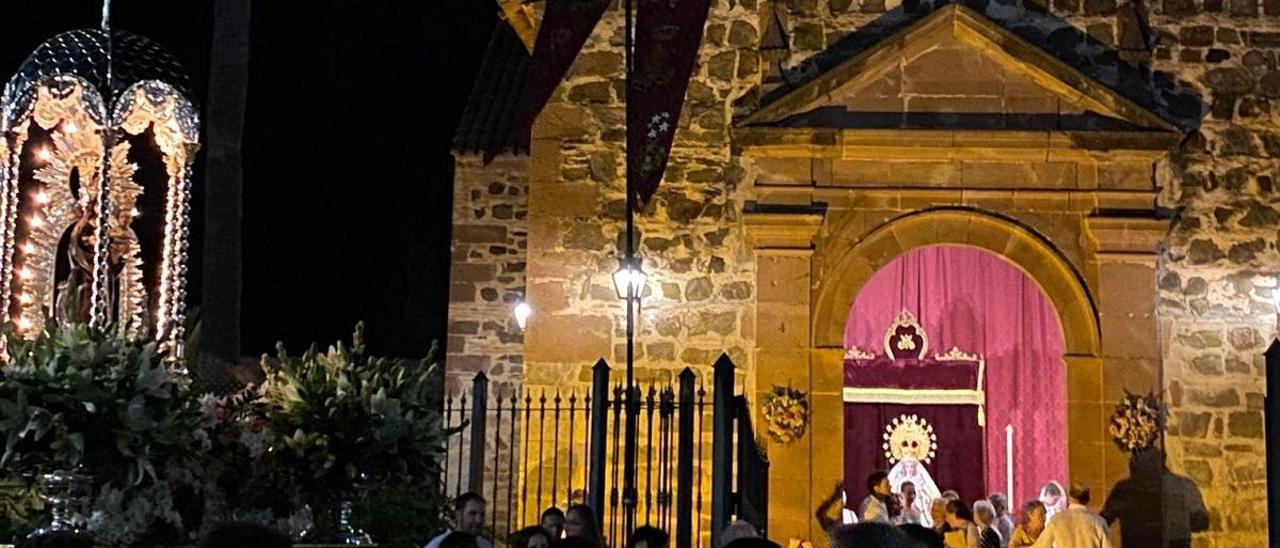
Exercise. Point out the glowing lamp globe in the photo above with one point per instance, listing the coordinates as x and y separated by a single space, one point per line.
629 279
522 312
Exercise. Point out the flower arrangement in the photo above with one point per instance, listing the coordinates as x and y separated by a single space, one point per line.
83 399
1137 422
786 412
340 422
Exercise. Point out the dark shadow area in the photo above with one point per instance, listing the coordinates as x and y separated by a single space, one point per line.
1173 100
1146 522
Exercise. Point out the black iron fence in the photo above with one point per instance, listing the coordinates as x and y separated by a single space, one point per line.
529 449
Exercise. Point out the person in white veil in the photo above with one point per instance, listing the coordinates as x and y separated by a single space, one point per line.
911 470
1054 498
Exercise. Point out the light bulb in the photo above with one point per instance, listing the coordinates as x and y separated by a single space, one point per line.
36 221
522 312
28 248
25 273
24 324
133 212
42 197
69 127
24 298
43 154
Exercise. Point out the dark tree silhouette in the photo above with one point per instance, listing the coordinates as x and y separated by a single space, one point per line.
224 178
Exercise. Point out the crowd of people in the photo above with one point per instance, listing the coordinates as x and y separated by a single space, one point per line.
888 517
897 516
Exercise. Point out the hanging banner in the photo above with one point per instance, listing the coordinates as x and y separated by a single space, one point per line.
565 27
667 36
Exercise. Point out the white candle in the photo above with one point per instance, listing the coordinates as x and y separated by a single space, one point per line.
1008 464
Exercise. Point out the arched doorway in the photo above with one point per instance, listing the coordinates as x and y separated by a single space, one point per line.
973 300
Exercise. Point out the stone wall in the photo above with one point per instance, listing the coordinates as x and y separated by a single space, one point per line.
490 237
490 209
698 300
1215 279
1219 272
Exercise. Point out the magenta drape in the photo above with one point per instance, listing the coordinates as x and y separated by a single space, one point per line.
977 301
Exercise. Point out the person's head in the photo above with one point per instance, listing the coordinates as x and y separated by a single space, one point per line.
580 521
958 513
647 536
242 535
530 537
924 537
577 542
868 535
468 513
1079 494
737 530
459 539
1033 515
908 491
983 513
938 512
950 495
1051 494
553 521
752 542
1000 503
878 483
67 539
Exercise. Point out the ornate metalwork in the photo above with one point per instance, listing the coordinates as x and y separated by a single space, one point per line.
71 118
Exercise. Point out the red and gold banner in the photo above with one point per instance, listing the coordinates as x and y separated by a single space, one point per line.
565 27
667 36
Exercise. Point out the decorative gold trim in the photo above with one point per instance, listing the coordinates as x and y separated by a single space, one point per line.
956 355
914 396
905 319
855 353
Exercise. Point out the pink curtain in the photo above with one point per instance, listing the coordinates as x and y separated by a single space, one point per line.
975 300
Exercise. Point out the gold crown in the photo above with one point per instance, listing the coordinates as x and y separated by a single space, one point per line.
909 437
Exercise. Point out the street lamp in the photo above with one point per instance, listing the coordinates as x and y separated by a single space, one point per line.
522 311
629 278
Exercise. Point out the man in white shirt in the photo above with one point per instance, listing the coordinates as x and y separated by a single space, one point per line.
1077 526
468 517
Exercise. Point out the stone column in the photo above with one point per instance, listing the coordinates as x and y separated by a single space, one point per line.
1125 263
783 244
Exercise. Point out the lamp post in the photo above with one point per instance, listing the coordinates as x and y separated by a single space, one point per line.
630 265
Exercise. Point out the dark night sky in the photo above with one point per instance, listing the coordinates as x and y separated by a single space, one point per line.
347 166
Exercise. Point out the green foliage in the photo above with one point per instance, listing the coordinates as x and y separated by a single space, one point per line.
341 417
82 398
323 427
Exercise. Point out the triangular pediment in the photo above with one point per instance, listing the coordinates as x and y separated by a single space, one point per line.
955 69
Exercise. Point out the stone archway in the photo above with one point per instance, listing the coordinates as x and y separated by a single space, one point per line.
811 265
839 283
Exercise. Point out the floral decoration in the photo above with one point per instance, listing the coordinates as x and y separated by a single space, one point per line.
1137 422
786 412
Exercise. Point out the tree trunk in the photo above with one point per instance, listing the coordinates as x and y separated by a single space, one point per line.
224 179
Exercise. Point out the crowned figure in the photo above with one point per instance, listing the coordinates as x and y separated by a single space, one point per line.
909 443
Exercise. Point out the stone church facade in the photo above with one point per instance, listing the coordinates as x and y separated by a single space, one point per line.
1124 156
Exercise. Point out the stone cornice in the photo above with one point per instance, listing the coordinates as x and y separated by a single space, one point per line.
1126 235
776 230
927 144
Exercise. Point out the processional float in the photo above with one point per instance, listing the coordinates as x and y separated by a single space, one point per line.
97 139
